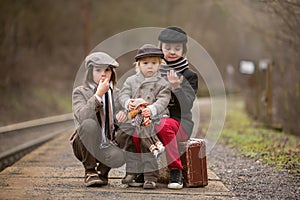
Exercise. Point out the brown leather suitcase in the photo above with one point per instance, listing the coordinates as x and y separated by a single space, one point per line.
193 158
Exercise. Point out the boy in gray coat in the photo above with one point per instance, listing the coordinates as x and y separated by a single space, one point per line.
147 84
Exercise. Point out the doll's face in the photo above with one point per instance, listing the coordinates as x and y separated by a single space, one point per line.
172 51
101 73
141 107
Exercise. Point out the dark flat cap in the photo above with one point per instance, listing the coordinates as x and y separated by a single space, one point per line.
172 35
149 50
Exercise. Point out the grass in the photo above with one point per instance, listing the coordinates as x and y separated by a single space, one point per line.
23 104
60 102
256 141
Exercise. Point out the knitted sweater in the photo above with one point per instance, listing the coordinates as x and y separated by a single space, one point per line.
182 98
178 65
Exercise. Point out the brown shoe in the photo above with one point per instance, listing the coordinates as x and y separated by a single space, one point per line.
93 179
149 185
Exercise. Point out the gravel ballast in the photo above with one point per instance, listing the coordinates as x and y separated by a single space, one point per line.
249 178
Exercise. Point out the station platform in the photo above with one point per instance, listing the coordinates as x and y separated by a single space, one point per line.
52 172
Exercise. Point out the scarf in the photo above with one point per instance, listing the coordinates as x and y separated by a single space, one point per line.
107 124
108 110
178 66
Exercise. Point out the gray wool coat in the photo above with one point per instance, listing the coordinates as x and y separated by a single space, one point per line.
155 90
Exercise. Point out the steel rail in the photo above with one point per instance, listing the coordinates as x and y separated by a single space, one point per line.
17 140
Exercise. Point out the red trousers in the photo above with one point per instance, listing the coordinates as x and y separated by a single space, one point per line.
169 132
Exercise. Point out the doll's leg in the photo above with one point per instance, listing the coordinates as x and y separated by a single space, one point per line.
148 143
159 145
156 141
149 139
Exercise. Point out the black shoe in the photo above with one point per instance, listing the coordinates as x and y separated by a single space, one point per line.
138 181
103 171
128 178
175 181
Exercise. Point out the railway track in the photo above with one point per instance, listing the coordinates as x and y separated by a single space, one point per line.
17 140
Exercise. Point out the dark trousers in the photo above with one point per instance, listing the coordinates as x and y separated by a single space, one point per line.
86 148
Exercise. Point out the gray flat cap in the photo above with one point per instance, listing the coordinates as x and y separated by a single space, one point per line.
98 59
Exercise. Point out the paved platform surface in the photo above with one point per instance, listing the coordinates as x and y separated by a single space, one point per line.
52 172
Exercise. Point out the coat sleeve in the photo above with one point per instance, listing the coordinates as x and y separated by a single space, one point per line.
186 93
125 93
83 107
118 106
162 98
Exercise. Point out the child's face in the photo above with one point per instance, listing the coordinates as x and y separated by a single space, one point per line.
149 66
172 51
101 73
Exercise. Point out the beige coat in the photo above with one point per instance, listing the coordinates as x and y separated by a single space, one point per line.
86 105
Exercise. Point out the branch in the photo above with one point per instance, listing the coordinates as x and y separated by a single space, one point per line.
293 3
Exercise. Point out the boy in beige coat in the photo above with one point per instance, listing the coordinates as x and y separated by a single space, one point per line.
93 106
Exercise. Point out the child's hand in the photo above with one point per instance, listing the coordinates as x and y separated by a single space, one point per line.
121 116
146 112
174 80
130 104
103 87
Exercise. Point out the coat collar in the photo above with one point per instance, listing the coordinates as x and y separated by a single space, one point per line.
141 78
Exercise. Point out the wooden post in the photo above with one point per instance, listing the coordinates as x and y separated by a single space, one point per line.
86 15
270 93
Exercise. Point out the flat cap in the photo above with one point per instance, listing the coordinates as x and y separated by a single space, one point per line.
98 59
149 50
172 35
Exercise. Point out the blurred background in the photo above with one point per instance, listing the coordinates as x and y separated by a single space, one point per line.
255 45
